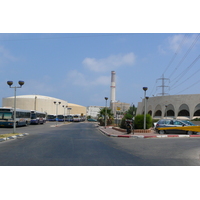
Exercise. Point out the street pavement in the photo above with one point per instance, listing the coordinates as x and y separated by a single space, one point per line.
117 132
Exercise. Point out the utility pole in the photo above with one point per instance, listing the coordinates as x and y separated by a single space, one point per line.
163 86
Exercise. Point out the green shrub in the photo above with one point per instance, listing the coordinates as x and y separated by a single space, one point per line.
139 121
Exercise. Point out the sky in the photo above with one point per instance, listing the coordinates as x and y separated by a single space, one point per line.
76 67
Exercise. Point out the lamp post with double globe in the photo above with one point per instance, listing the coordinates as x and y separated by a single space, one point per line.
64 111
106 98
10 83
57 103
145 109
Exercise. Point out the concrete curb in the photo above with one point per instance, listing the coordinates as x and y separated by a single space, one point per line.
13 137
149 136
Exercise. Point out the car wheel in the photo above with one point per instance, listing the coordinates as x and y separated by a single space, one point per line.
161 132
189 132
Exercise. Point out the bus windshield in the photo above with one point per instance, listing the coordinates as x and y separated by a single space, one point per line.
33 116
5 115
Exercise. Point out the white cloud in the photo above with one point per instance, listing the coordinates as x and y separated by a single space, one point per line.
175 41
102 80
110 63
77 78
80 79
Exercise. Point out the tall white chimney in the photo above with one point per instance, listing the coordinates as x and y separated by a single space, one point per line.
112 88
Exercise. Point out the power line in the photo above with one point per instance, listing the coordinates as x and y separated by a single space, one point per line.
189 67
189 87
175 54
188 51
186 79
151 93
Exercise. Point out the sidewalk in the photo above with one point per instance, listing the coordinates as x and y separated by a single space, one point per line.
117 132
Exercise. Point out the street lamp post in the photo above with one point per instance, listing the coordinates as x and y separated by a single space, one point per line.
10 84
64 111
166 110
145 89
106 98
57 103
69 113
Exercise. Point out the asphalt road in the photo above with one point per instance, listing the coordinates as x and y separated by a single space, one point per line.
82 144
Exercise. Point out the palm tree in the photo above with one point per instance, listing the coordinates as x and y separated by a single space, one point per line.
101 116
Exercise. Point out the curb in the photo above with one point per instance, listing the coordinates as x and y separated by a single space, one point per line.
13 137
150 136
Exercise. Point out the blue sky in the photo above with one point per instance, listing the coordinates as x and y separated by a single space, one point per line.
68 49
76 67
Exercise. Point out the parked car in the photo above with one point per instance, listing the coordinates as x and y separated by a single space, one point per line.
92 120
173 123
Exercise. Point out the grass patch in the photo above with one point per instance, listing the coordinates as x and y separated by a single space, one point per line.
9 135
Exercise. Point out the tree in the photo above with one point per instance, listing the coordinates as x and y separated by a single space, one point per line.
101 116
132 110
89 117
128 115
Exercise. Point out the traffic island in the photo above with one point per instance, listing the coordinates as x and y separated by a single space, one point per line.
117 132
9 136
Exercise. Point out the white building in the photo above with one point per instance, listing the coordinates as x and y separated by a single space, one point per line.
93 111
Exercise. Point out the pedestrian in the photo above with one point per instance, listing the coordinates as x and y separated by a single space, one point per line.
128 127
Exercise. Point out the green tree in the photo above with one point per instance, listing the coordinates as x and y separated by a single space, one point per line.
89 117
101 116
128 115
132 110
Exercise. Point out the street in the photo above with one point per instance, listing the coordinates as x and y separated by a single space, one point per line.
82 144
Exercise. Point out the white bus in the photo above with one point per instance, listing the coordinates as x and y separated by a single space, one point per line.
38 117
77 118
23 117
51 117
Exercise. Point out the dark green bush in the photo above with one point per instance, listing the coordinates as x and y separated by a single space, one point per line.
139 121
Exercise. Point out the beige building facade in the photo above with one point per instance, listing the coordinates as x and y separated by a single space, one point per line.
44 104
172 106
119 107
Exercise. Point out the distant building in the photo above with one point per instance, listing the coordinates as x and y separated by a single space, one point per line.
93 111
174 107
43 104
119 107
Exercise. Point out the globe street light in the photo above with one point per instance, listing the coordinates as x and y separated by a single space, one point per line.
69 113
57 103
106 98
166 110
64 111
145 89
10 85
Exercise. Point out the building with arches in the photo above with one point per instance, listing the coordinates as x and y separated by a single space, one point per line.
172 106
